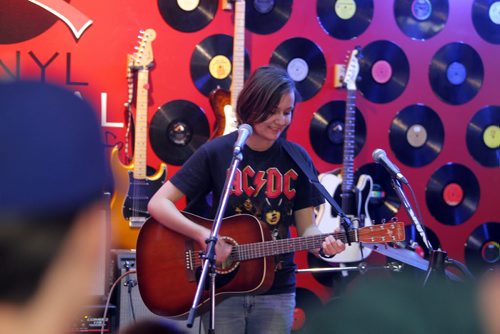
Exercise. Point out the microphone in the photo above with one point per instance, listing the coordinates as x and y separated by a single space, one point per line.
244 131
380 157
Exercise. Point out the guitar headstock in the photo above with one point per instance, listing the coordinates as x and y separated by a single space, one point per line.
143 57
382 233
352 69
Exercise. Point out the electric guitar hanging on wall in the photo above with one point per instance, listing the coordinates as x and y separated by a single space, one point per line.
354 199
133 188
223 103
169 264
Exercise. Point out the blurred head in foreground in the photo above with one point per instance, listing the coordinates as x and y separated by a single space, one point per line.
53 171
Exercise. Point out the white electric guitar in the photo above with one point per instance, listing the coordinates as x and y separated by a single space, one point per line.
354 199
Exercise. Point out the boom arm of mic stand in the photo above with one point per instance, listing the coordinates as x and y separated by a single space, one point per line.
396 185
211 242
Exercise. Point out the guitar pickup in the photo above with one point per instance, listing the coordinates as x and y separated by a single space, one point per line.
136 222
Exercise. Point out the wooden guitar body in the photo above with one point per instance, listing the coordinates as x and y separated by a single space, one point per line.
169 265
220 101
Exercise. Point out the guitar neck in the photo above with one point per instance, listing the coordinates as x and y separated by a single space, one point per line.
349 144
141 124
276 247
238 52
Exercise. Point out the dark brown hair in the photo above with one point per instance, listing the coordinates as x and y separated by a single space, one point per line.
262 93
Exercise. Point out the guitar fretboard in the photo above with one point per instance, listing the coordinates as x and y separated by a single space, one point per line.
141 124
276 247
349 142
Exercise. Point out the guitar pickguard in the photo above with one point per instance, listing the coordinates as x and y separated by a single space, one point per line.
327 220
140 191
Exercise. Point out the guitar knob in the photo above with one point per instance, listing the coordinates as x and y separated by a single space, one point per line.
383 220
394 219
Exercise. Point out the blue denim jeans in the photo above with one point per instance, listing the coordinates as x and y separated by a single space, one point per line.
254 314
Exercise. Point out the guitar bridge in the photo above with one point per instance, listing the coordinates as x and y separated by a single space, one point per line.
136 222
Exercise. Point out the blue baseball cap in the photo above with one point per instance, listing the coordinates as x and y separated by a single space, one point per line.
52 159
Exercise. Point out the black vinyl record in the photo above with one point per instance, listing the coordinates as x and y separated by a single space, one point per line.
187 16
486 19
456 73
384 203
211 63
177 129
266 16
483 136
326 131
452 194
482 249
344 19
304 62
421 19
415 242
416 135
384 71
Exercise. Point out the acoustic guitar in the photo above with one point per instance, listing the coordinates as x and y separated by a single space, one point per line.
169 264
223 102
133 188
354 199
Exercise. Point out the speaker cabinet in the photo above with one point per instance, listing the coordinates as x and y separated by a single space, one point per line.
130 305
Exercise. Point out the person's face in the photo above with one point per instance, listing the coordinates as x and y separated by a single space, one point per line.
270 129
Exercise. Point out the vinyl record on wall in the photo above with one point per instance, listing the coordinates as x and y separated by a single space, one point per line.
415 242
456 73
326 131
177 129
416 135
304 62
344 19
482 249
421 19
384 71
267 16
486 19
452 194
187 15
483 136
383 203
211 63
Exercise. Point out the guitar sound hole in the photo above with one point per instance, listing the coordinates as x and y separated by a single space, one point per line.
221 280
225 272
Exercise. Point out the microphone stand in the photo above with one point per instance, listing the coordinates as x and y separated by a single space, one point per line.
438 258
209 265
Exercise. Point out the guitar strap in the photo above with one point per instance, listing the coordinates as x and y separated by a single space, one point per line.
296 156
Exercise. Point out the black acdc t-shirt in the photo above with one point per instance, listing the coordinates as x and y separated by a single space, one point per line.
268 185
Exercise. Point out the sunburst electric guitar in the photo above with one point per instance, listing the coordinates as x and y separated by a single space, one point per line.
133 188
169 264
354 199
223 103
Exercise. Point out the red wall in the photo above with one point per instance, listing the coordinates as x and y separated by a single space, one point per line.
98 66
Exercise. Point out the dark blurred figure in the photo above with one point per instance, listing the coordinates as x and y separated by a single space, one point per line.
153 327
400 304
53 172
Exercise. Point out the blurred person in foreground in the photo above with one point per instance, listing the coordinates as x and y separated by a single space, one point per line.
53 173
